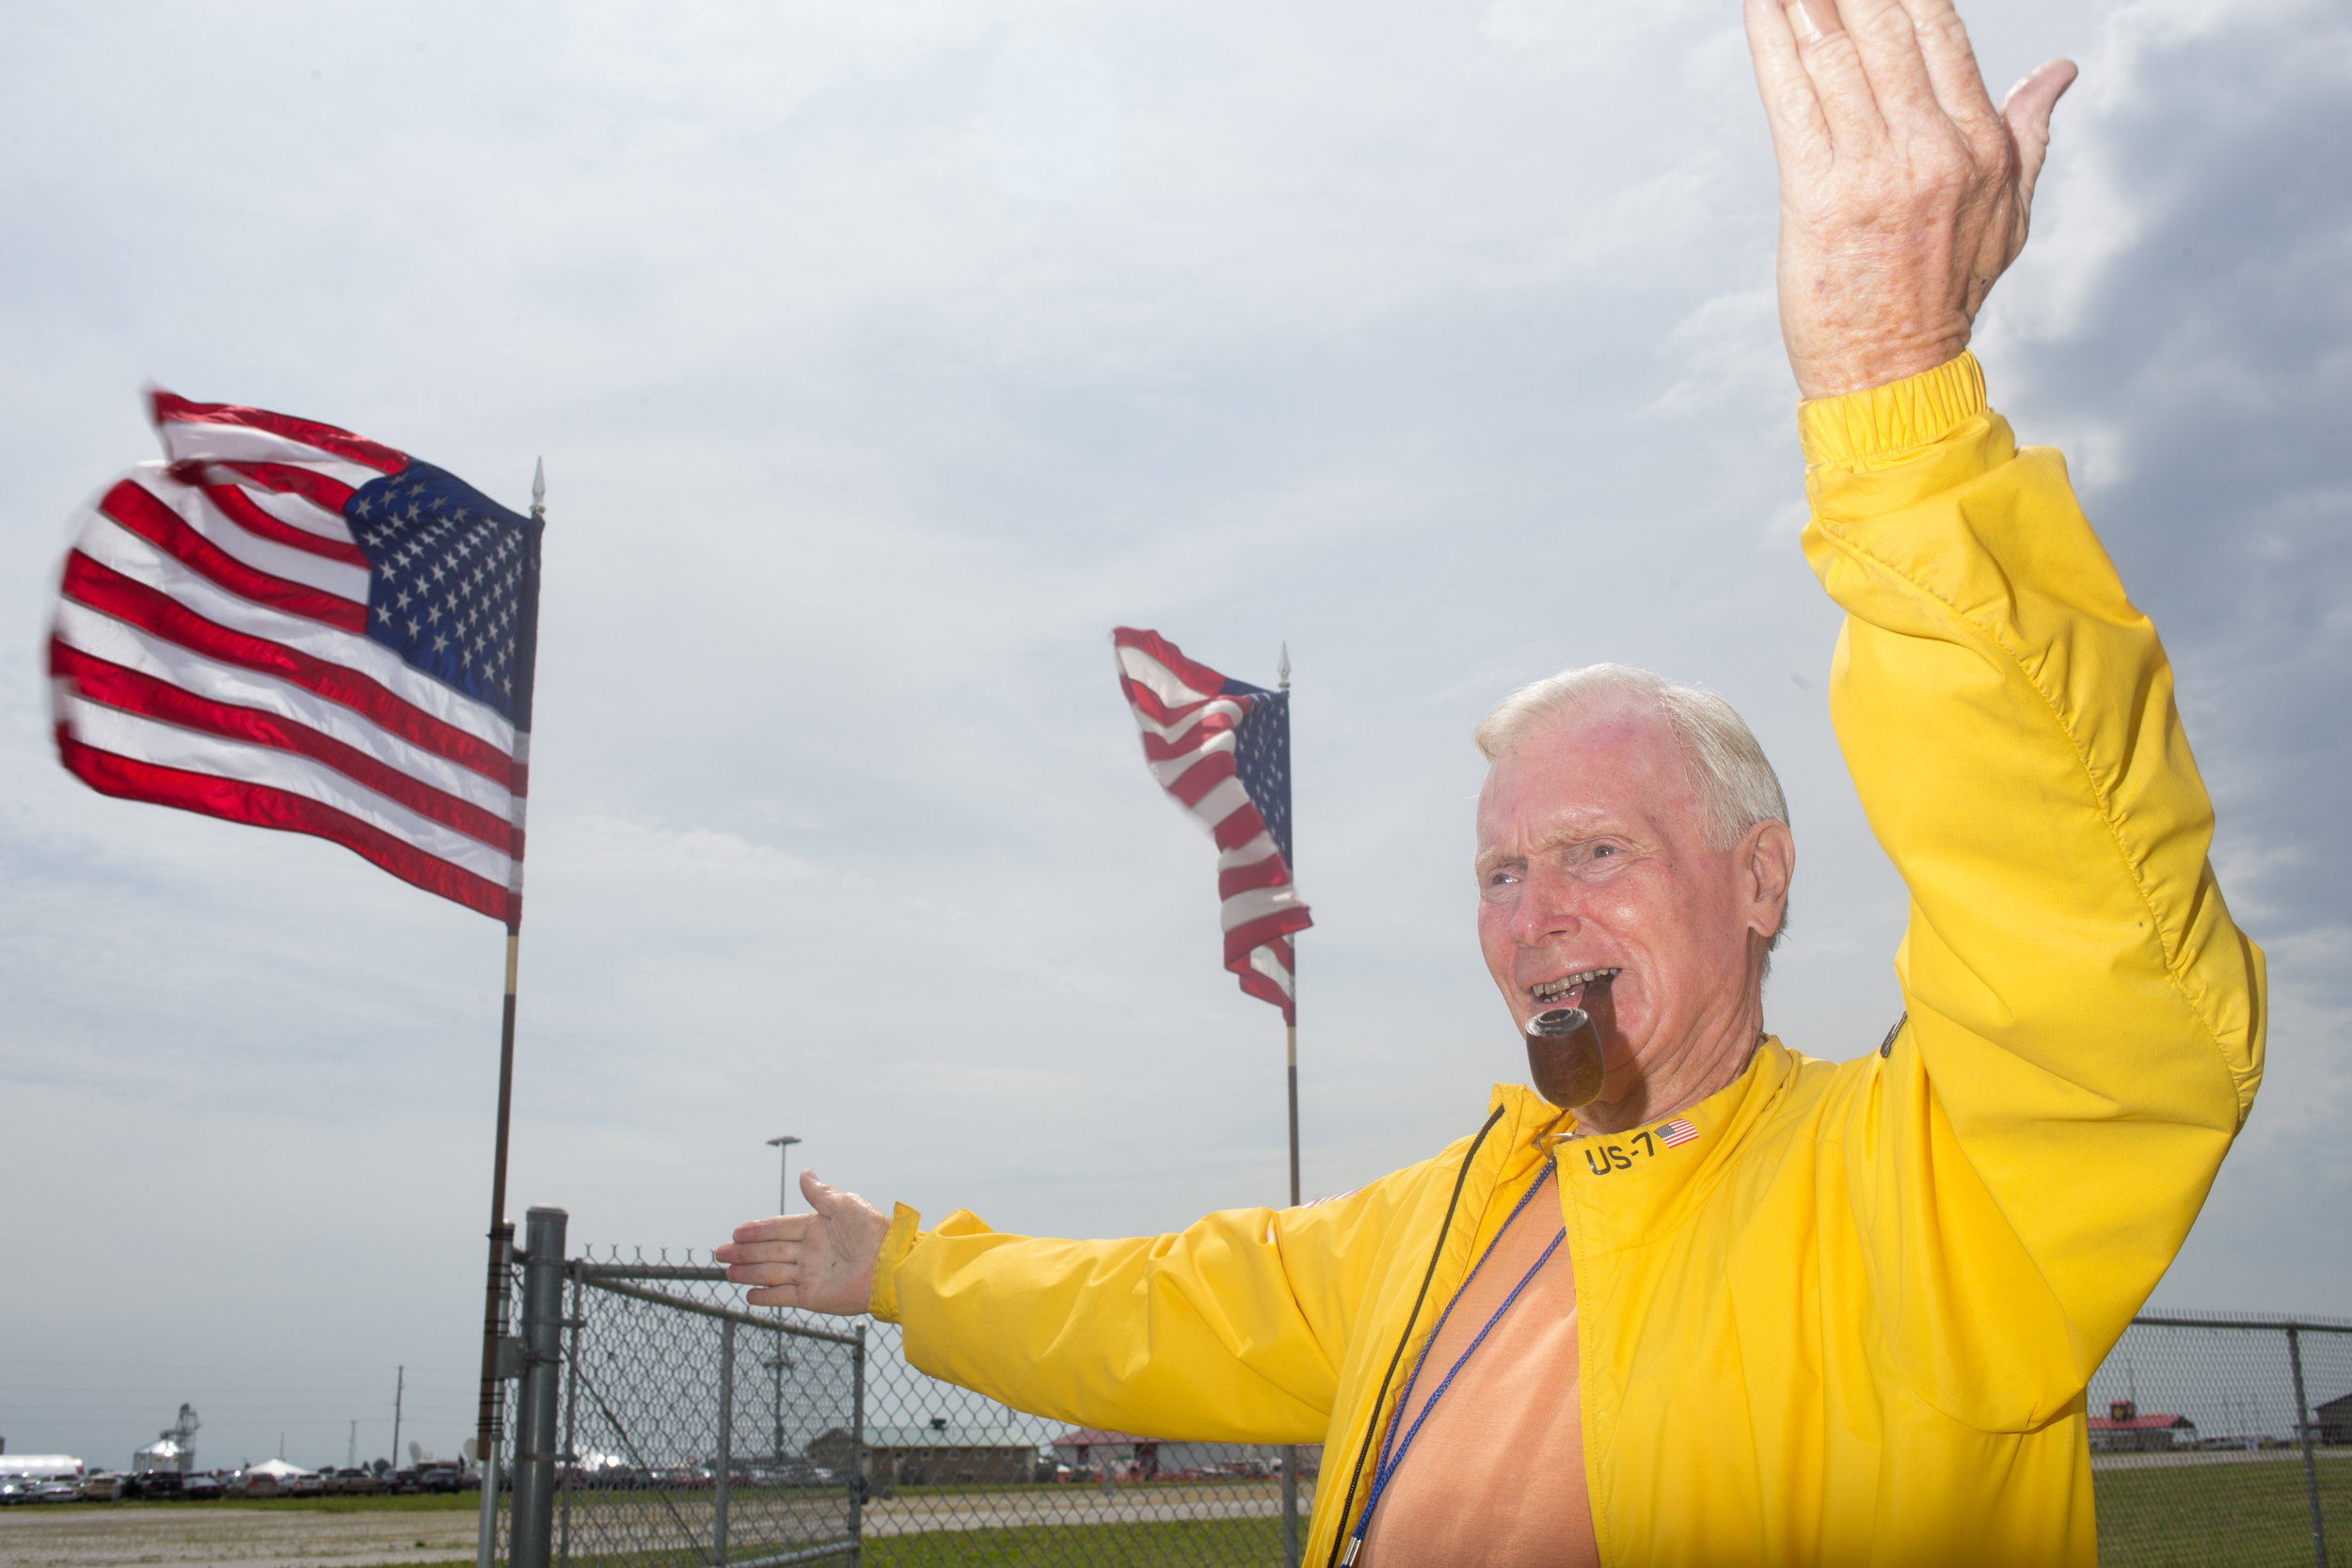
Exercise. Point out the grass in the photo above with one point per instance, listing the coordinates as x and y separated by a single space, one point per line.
2221 1516
1173 1543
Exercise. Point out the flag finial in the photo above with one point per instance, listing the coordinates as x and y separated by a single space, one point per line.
1282 671
540 487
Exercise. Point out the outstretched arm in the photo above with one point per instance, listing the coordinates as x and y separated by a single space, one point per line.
2086 1021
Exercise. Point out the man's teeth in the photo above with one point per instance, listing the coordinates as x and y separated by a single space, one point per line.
1545 990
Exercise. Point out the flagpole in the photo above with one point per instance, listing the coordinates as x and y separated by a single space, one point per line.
494 1316
1282 678
1290 1029
501 1233
495 1291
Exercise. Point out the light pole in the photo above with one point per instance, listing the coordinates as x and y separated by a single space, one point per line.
784 1183
783 1147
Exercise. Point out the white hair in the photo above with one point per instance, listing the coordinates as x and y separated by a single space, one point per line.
1736 787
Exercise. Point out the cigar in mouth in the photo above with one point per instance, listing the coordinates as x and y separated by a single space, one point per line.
1564 1057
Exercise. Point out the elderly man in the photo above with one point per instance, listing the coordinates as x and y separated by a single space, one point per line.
1746 1306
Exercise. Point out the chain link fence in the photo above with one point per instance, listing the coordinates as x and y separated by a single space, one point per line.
685 1429
658 1423
956 1477
693 1426
2224 1441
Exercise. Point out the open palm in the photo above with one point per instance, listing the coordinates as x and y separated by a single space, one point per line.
823 1260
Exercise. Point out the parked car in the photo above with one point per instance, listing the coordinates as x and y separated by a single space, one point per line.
102 1486
438 1477
17 1489
308 1484
154 1485
350 1482
251 1483
61 1489
200 1488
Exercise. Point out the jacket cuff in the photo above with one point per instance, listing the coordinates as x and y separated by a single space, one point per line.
905 1230
1884 425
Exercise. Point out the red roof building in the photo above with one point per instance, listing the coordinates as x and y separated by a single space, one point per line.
2125 1430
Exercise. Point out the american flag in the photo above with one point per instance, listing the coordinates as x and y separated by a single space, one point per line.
1222 750
290 626
1677 1133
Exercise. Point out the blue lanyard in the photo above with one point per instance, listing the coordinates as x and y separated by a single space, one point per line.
1384 1471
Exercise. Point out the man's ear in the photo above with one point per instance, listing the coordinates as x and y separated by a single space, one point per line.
1769 861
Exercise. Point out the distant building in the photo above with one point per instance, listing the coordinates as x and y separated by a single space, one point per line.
1090 1448
2125 1430
2332 1422
933 1455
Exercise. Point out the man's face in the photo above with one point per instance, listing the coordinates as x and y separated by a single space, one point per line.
1592 857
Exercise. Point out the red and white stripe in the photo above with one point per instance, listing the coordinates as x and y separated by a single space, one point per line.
208 652
1188 724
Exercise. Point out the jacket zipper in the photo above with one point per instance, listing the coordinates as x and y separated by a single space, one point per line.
1371 1427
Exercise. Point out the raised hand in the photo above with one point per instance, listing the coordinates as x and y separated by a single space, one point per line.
823 1262
1903 191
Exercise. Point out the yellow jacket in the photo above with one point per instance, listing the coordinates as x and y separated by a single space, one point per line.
1852 1321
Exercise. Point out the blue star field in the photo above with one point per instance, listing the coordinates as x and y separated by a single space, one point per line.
1262 759
452 583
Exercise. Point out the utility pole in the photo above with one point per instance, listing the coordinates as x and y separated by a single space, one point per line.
351 1448
400 1387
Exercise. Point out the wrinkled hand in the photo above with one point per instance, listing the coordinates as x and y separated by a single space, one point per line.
1903 191
823 1262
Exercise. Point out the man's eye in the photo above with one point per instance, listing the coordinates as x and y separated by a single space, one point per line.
1601 849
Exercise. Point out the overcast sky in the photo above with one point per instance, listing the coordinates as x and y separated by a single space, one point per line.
882 359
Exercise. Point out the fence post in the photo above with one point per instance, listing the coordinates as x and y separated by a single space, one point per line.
2303 1430
857 1446
1290 1507
536 1437
726 1442
575 1321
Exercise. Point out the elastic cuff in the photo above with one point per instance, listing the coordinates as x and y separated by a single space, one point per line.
905 1230
1884 424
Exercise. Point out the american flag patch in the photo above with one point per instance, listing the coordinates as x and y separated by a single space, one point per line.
1677 1133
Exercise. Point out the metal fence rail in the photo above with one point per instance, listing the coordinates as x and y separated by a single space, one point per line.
678 1429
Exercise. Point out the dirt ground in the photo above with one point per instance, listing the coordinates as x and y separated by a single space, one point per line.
76 1535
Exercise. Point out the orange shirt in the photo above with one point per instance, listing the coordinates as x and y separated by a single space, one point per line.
1497 1475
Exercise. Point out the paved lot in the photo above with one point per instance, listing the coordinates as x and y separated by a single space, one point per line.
71 1535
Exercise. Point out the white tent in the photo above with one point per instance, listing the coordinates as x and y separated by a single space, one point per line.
40 1467
276 1469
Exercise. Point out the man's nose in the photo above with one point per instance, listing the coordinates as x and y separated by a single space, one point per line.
1549 908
